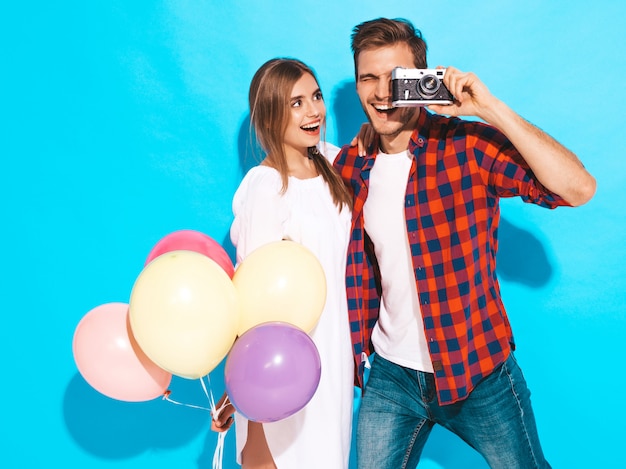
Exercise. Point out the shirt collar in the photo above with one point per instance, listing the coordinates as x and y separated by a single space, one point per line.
417 140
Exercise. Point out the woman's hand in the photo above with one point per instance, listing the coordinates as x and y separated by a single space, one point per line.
365 138
223 416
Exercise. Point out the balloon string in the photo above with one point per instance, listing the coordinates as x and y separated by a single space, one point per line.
209 393
218 455
166 397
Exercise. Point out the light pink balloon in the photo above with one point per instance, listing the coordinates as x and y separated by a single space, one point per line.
110 360
190 240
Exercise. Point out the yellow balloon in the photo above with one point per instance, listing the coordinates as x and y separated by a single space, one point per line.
184 313
280 281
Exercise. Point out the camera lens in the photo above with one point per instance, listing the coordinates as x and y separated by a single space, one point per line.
428 85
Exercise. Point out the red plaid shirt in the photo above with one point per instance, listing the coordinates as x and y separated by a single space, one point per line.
460 169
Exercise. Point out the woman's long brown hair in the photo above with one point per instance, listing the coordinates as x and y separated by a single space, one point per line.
270 93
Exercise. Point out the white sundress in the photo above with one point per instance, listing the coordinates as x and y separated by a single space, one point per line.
318 436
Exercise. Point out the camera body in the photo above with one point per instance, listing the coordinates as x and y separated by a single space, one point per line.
419 87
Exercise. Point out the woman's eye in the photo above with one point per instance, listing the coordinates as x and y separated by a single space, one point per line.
296 103
318 96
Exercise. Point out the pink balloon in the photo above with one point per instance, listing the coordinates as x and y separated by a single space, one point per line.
190 240
272 371
110 360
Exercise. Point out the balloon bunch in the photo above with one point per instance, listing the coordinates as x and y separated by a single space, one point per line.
189 308
182 319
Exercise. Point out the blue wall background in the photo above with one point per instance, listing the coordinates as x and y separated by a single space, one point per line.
124 121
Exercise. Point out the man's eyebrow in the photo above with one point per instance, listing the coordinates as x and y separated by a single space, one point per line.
367 75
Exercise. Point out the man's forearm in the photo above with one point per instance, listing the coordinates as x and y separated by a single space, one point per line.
556 167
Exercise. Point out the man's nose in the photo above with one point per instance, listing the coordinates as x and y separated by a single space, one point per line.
383 88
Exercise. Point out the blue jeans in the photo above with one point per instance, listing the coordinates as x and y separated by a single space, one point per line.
399 409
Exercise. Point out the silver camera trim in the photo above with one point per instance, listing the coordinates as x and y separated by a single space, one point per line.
418 74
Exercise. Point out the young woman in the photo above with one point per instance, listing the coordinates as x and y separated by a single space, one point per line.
295 194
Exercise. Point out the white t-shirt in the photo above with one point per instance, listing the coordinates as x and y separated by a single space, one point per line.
319 435
399 333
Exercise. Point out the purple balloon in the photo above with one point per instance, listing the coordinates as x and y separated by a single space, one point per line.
272 371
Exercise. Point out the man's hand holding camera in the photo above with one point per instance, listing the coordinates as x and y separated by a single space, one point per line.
471 96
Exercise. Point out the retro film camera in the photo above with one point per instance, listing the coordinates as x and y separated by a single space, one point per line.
419 87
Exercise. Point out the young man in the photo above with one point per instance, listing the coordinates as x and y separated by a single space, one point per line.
424 238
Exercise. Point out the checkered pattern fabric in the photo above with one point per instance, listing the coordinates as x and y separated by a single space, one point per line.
460 169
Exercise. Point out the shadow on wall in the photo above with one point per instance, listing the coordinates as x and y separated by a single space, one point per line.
446 450
112 429
348 112
521 256
249 152
250 155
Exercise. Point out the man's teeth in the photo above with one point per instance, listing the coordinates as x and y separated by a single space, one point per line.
383 107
